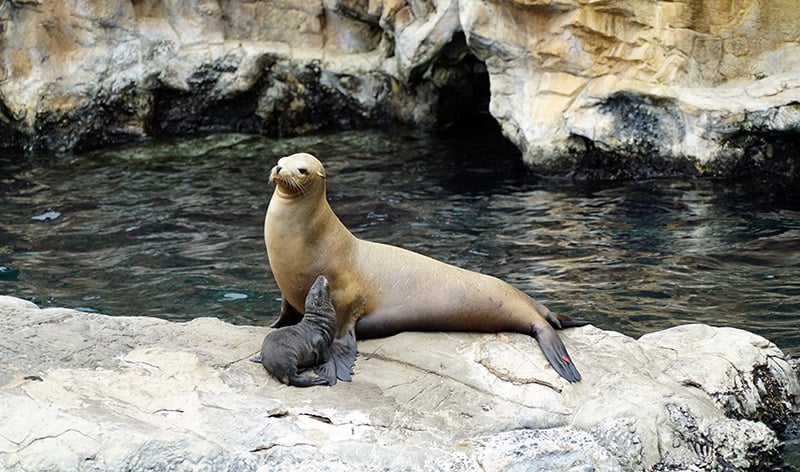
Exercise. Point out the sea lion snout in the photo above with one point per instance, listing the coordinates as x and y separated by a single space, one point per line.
318 299
320 285
276 171
283 177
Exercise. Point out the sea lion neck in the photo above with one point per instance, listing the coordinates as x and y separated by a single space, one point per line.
304 214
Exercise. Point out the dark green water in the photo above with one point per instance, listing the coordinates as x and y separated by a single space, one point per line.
174 230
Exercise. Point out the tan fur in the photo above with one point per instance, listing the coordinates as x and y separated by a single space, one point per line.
381 289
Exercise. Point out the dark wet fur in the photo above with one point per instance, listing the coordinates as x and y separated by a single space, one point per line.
343 350
288 352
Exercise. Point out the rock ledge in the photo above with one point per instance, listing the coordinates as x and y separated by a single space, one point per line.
85 391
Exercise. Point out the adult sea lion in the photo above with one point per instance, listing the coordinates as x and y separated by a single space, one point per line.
379 290
287 352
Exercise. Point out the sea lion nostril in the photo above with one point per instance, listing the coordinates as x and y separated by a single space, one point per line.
278 169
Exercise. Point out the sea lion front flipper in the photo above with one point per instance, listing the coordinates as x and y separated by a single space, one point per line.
555 352
288 316
257 358
343 353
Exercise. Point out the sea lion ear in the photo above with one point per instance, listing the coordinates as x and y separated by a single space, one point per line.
321 174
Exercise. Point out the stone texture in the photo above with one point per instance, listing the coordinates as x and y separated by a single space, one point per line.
82 391
626 81
615 89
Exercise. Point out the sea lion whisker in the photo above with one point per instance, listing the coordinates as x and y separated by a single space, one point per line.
294 186
299 187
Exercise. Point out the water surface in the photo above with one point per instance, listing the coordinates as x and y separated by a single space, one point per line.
174 230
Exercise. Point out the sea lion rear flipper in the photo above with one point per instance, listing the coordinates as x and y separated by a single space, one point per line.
327 371
343 353
288 316
256 358
557 320
300 380
570 322
556 353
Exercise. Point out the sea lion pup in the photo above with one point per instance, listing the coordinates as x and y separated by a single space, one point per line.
287 352
379 290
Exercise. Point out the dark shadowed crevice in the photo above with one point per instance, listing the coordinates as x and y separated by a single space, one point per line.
462 111
463 84
184 113
776 154
200 109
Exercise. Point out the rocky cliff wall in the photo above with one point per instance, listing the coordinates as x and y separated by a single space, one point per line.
609 88
666 85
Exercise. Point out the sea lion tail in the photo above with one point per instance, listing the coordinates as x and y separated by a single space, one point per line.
556 353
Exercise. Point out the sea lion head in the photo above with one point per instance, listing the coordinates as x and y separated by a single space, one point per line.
318 300
298 174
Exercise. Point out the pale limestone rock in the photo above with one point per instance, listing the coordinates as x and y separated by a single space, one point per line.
620 88
558 68
81 391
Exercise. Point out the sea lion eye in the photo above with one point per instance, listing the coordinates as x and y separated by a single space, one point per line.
303 170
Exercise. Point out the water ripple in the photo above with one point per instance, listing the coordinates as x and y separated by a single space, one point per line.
174 229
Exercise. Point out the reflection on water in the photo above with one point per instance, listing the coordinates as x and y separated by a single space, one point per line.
174 230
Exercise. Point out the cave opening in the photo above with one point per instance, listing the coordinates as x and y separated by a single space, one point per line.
463 83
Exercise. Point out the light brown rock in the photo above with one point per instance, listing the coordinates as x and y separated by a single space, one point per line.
705 88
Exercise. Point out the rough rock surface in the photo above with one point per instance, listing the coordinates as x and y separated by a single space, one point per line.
83 391
672 83
609 88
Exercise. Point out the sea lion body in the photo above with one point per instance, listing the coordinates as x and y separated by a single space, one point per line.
287 352
378 289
